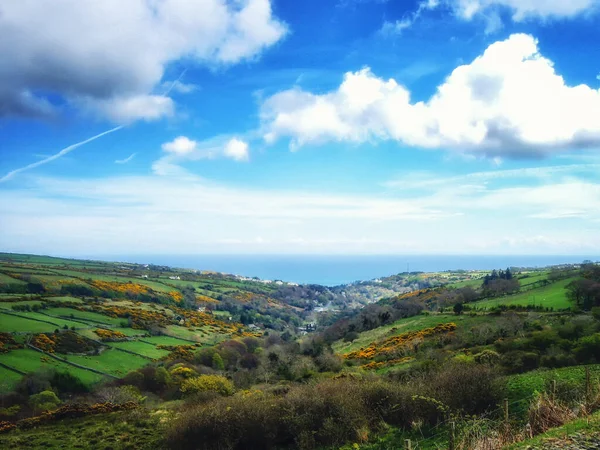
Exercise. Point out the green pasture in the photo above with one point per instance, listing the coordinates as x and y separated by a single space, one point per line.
88 316
15 324
165 340
5 279
27 360
526 384
8 379
111 361
141 348
551 296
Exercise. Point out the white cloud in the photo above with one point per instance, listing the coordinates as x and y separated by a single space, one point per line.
420 180
491 11
525 9
398 26
183 149
192 215
236 150
110 55
129 109
180 146
507 102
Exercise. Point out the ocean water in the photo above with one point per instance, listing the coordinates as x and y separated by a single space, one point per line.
336 270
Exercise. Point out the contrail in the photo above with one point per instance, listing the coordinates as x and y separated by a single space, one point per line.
168 91
63 152
70 148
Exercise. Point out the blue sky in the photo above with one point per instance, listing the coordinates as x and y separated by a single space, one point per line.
270 126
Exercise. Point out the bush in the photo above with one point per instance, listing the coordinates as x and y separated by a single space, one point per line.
329 413
207 383
44 401
472 388
520 361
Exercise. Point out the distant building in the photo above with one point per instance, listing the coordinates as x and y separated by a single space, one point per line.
176 277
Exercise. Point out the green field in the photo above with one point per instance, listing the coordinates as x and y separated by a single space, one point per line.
111 361
141 348
27 360
5 279
205 337
55 322
14 324
9 305
524 385
551 296
88 316
8 379
165 340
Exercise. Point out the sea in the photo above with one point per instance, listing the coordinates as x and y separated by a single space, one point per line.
337 270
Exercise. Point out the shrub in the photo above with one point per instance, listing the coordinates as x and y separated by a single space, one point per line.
329 413
207 383
44 401
472 388
588 349
120 395
487 357
520 361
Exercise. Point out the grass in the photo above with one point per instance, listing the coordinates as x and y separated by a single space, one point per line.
55 322
551 296
9 305
524 385
89 333
111 361
12 324
403 325
5 279
141 348
120 279
206 337
88 316
548 439
165 340
116 431
27 360
8 379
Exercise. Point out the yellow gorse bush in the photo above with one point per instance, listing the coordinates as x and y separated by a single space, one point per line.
207 383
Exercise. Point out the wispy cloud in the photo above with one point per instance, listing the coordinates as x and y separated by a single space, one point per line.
398 26
425 180
126 160
192 214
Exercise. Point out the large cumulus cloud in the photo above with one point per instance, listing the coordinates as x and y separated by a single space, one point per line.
108 56
508 101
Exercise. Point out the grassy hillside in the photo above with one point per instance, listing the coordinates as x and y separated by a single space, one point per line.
205 360
551 296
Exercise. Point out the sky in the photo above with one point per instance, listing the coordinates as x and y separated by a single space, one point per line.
313 127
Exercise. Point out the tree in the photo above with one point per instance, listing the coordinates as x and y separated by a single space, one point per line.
44 401
351 336
217 362
458 309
